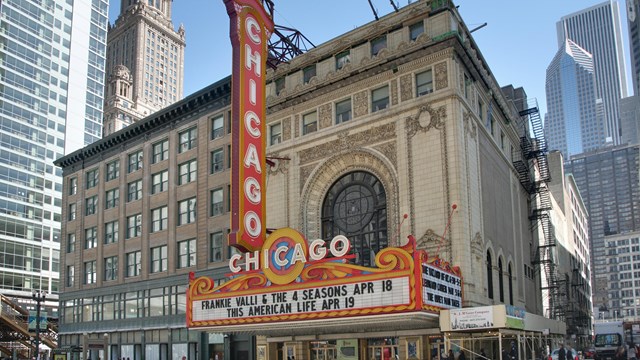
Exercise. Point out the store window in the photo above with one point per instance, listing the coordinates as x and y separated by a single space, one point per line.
382 348
356 206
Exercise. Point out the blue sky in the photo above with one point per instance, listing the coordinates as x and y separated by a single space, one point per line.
518 42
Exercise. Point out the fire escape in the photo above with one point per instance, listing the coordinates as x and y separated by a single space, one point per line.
530 161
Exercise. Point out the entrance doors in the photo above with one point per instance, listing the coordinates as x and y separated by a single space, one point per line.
323 350
383 348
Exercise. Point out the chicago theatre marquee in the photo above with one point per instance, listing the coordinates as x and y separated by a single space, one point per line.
360 133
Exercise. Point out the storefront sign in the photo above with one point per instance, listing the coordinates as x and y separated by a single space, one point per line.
472 318
250 30
515 317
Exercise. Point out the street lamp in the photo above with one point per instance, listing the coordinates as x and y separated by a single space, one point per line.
38 296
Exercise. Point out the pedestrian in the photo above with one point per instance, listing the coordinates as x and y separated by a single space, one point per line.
450 355
514 352
621 353
505 354
461 355
562 354
631 352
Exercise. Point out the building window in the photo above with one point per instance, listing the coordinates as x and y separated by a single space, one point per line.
71 272
343 111
187 211
217 161
380 98
111 268
500 280
216 247
113 170
279 85
159 259
308 73
489 276
356 205
134 190
72 212
480 110
467 86
510 285
188 139
186 253
309 123
275 134
135 161
71 243
415 30
90 237
160 151
343 59
424 83
111 232
187 172
217 127
73 186
91 205
90 272
378 44
159 218
134 260
92 178
502 142
112 198
160 182
217 206
134 226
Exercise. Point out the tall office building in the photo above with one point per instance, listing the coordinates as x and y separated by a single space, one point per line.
597 30
613 205
572 123
145 63
633 10
50 86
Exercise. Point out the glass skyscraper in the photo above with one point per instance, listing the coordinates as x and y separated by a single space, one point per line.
52 58
598 30
572 123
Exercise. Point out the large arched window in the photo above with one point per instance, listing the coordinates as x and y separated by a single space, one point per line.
489 275
510 285
356 206
500 280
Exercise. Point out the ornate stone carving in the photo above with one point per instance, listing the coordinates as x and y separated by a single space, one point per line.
281 164
286 129
425 119
360 104
389 151
346 141
469 124
324 116
406 87
296 125
428 240
305 171
394 92
477 244
442 76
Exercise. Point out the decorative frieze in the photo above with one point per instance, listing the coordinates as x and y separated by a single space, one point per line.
394 92
406 87
441 75
286 129
360 104
324 116
425 119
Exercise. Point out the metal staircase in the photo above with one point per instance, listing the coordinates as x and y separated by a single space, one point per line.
530 161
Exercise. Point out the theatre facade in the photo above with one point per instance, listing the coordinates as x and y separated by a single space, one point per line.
381 175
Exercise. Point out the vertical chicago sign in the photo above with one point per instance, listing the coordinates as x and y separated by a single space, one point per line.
250 29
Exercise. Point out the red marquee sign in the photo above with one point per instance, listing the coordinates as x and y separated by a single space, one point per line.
250 30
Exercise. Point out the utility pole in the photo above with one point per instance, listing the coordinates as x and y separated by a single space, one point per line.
39 297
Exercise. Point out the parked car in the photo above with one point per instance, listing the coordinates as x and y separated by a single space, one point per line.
589 353
574 354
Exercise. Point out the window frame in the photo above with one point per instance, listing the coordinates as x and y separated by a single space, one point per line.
217 165
162 221
137 192
70 278
135 161
160 151
385 100
158 262
187 214
213 239
73 212
308 73
134 229
275 137
191 174
191 140
217 208
426 86
111 268
111 232
343 58
378 44
311 126
73 185
90 272
338 115
161 186
417 25
71 243
112 170
112 198
134 268
217 131
91 178
188 257
91 237
91 205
